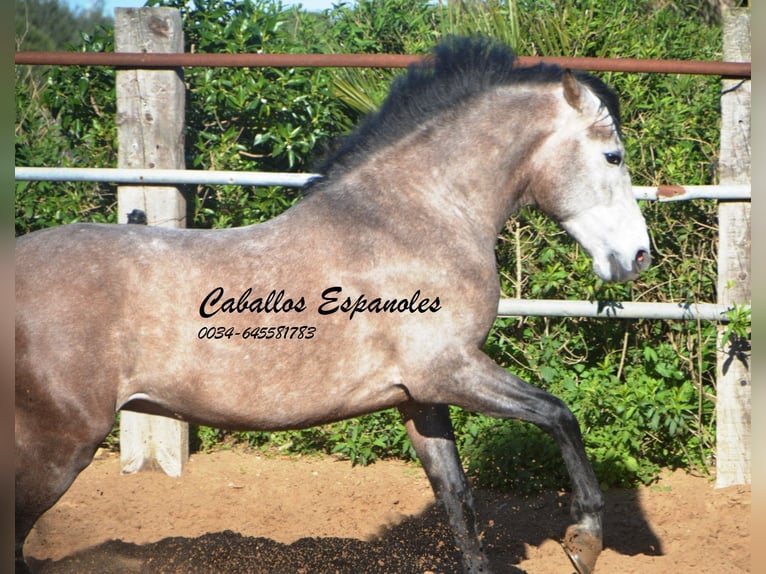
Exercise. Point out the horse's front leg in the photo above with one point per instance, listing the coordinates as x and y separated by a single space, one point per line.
478 384
430 431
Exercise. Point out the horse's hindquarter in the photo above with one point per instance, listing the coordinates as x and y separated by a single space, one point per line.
67 305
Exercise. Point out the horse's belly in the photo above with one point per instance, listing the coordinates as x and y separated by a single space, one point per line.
281 389
282 405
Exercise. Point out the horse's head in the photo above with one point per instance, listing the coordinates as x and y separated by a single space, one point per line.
584 183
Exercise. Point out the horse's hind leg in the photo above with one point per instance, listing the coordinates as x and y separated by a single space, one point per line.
52 447
430 431
478 384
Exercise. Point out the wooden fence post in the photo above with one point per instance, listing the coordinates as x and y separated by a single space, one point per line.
150 128
733 376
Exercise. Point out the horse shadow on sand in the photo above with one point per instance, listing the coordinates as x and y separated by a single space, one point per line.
419 544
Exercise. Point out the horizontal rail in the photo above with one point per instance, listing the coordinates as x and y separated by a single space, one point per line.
683 192
613 309
180 176
146 60
163 176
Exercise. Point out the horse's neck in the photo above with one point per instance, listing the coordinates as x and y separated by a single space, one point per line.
468 174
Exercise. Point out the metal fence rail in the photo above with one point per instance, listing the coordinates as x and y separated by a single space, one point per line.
157 60
257 178
163 176
613 310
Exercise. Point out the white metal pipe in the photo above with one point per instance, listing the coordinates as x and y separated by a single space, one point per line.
183 176
612 310
684 192
163 176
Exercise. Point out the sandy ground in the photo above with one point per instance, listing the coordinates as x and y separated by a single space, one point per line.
238 512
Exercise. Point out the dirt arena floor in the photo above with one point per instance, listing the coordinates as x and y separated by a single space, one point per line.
236 512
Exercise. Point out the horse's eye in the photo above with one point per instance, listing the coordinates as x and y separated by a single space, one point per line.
613 158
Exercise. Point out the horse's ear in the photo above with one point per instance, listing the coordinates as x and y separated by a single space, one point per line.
572 90
578 95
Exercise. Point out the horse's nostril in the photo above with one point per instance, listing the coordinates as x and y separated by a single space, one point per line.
643 259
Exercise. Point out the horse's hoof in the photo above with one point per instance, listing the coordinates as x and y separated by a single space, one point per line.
582 548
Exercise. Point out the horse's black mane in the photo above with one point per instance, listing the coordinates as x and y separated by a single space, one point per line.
459 69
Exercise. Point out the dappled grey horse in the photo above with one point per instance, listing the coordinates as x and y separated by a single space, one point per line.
376 290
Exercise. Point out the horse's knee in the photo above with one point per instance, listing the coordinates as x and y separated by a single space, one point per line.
555 417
